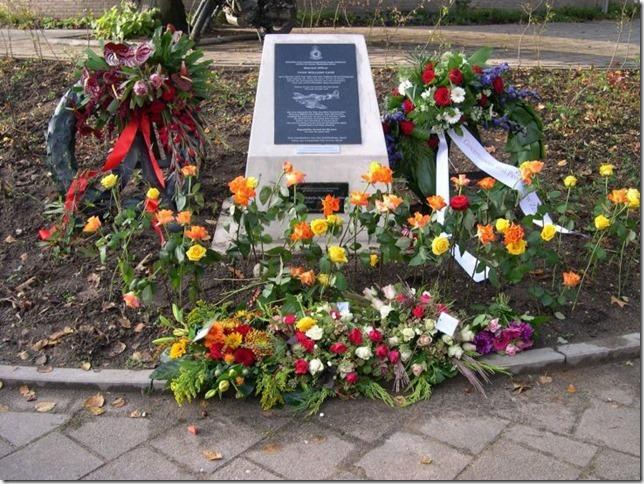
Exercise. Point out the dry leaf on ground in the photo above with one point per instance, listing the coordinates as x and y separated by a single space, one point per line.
571 388
212 455
137 414
544 379
117 348
193 430
45 369
119 402
96 411
43 407
97 401
28 393
85 365
621 302
518 388
426 460
3 408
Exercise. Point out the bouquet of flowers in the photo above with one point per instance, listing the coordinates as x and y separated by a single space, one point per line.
300 354
152 91
449 91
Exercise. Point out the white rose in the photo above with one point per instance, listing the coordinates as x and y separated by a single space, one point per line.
469 347
364 352
430 324
385 310
346 317
377 303
369 292
467 334
393 341
417 369
389 291
405 353
404 86
315 333
408 334
447 340
455 351
315 366
457 94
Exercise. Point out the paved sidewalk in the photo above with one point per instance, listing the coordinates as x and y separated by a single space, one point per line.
560 45
583 423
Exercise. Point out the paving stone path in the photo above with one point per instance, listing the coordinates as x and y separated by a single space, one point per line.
561 45
584 424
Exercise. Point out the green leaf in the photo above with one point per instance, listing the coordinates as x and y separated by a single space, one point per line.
480 57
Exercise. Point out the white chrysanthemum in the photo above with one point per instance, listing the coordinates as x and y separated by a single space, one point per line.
315 366
364 352
427 93
389 291
385 310
454 117
404 86
457 94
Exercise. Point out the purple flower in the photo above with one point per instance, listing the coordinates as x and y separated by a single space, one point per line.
157 80
484 341
140 88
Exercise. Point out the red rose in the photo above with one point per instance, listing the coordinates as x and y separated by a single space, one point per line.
459 203
244 356
151 205
306 342
394 356
355 336
498 85
418 311
375 336
428 74
381 351
168 94
483 100
408 105
442 96
433 141
338 348
456 76
301 367
289 319
352 378
407 127
477 69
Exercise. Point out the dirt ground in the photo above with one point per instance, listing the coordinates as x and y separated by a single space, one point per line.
70 301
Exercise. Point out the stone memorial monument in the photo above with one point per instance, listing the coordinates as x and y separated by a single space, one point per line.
315 107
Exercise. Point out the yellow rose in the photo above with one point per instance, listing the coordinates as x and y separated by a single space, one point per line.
319 226
338 255
306 323
108 181
324 279
196 253
153 194
178 349
373 260
570 181
601 222
502 225
633 197
606 169
517 248
334 219
548 232
251 182
440 245
92 225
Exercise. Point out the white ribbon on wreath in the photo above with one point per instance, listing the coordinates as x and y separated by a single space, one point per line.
507 174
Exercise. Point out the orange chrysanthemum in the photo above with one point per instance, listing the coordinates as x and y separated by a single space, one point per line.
436 202
571 279
513 234
486 183
301 231
215 335
330 205
485 233
418 221
196 232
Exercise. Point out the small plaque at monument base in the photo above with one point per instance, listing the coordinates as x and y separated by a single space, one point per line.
315 107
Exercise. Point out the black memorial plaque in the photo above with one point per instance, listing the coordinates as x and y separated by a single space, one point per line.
314 192
316 95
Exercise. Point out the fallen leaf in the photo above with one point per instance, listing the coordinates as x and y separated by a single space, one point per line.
544 379
193 430
94 279
85 365
3 408
118 402
45 369
562 162
139 327
23 355
117 348
97 400
619 301
518 388
212 455
272 448
125 323
10 239
571 388
628 363
1 384
96 411
490 149
27 393
40 360
43 407
426 460
67 330
137 414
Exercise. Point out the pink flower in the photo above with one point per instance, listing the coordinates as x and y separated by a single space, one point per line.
494 325
352 378
156 80
338 348
301 367
140 88
375 336
394 356
511 350
418 311
131 300
335 314
289 319
425 298
381 351
355 336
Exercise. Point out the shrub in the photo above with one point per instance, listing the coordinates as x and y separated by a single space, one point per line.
125 22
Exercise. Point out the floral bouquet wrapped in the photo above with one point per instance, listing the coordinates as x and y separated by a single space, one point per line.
449 91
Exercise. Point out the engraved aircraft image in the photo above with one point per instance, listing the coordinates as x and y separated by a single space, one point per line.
313 101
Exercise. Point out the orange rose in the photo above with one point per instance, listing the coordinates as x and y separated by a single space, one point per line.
378 174
196 232
184 217
307 278
301 231
243 190
359 199
418 221
164 217
529 169
287 167
92 225
513 234
486 183
571 279
389 203
215 335
330 204
436 202
460 181
618 196
485 233
294 177
296 271
189 170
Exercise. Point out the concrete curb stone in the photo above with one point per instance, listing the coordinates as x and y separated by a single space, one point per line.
561 357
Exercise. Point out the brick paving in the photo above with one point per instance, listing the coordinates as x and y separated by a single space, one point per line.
590 430
559 45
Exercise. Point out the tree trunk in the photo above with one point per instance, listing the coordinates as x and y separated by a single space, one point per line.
172 12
